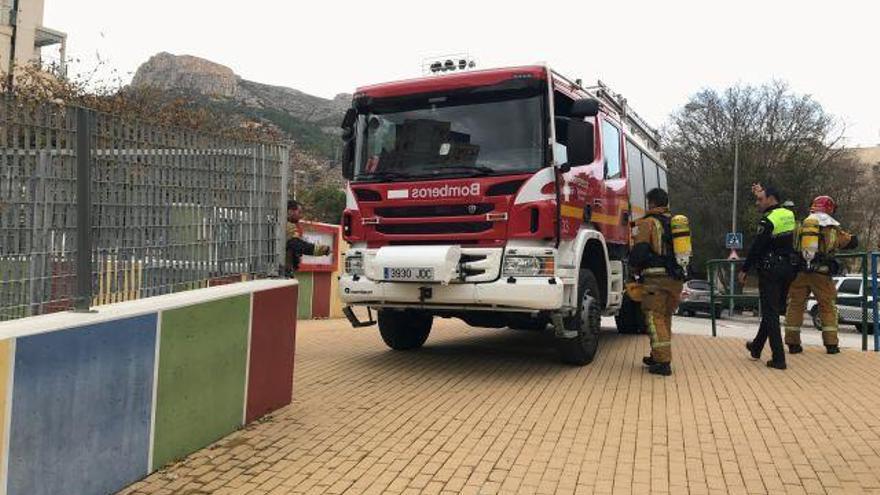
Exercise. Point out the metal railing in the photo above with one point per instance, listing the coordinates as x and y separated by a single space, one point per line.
869 271
166 209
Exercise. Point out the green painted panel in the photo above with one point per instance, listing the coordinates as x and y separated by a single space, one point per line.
304 302
202 360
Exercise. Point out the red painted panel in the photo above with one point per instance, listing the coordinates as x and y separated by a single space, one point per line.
321 296
453 81
273 342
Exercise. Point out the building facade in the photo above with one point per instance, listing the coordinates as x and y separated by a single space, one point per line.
23 37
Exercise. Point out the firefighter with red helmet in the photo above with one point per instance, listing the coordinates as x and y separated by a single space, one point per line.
819 237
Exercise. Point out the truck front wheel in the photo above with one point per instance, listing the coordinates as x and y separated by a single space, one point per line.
581 349
404 330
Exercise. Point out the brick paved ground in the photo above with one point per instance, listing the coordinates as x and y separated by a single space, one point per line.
492 411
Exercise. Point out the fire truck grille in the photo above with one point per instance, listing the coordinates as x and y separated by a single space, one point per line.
434 211
434 228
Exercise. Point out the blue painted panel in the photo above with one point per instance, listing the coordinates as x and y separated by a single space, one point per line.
81 408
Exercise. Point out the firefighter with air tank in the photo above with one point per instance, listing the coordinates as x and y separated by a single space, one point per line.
659 257
819 237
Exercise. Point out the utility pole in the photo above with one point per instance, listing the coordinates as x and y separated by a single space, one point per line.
733 217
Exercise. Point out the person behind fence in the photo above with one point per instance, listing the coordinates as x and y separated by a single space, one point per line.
819 237
772 256
654 258
296 246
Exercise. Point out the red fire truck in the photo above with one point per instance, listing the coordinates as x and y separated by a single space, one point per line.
501 197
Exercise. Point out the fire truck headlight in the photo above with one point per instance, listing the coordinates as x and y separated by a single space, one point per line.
529 266
354 263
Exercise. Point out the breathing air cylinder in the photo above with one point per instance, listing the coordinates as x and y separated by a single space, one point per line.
681 239
809 238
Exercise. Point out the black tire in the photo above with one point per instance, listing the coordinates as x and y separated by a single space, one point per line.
404 330
814 314
587 321
629 318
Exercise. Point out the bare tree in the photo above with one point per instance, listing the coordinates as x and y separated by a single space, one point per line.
785 139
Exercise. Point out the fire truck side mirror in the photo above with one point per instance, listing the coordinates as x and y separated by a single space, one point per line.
580 142
349 139
348 159
585 107
349 119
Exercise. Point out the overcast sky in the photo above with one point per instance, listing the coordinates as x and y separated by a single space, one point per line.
657 53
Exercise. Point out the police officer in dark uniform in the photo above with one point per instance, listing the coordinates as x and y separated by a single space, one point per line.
296 246
773 257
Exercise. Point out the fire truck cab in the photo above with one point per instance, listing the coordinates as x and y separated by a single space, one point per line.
501 197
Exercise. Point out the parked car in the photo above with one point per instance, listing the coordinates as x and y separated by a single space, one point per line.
695 299
849 303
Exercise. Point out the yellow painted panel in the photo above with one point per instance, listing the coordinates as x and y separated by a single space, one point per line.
571 211
335 302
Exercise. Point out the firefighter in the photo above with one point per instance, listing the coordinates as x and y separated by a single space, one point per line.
819 237
654 260
773 257
296 246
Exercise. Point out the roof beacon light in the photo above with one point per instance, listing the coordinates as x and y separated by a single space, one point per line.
448 63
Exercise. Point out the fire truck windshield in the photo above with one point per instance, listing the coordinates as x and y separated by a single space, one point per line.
445 137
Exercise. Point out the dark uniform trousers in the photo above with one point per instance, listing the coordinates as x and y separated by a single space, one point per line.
773 285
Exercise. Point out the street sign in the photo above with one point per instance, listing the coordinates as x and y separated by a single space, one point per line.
733 240
733 255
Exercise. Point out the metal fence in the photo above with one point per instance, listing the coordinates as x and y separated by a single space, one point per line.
869 304
166 209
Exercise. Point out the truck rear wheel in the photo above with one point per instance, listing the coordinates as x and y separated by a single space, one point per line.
581 350
629 318
404 330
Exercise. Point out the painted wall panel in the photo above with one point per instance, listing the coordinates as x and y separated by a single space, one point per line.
81 408
273 340
202 360
321 295
5 376
306 282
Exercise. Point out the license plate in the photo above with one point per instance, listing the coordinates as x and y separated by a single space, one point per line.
410 274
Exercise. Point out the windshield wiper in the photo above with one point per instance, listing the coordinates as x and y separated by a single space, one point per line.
475 171
385 174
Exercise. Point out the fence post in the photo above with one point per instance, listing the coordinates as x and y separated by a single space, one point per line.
874 309
711 274
864 302
83 295
281 231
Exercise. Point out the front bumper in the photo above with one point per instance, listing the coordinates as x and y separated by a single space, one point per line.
525 294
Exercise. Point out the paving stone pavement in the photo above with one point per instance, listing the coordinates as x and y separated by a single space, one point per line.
493 411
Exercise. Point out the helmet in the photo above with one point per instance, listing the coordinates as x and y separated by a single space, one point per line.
823 204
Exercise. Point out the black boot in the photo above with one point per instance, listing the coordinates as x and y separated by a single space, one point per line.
663 369
776 365
648 361
795 349
832 349
752 353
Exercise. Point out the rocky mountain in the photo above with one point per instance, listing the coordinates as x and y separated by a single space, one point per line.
312 121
